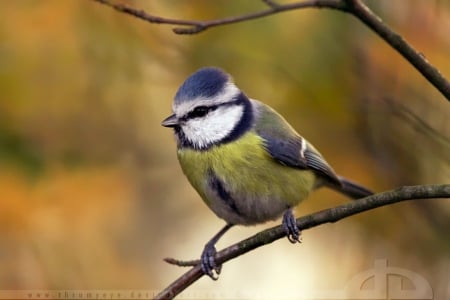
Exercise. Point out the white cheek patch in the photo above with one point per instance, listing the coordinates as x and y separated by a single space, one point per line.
213 127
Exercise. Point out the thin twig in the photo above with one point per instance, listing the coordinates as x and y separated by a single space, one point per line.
199 26
145 16
354 7
181 263
330 215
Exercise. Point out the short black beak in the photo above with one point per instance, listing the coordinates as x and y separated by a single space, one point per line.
170 121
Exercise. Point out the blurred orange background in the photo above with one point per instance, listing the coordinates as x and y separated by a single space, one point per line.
91 194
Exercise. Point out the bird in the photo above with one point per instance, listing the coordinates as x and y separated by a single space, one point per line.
247 163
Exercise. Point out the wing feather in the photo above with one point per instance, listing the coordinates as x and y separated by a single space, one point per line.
287 147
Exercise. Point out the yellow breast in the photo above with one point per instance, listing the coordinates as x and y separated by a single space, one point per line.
260 187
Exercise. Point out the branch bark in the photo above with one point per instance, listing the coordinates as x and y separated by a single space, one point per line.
354 7
193 27
358 9
330 215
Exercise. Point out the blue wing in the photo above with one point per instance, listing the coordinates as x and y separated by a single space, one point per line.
287 147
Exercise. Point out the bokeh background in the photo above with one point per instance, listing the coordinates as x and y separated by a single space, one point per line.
91 194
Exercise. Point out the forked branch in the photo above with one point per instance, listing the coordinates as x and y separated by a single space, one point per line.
193 27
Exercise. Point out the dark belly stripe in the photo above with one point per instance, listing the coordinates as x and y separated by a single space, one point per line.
217 185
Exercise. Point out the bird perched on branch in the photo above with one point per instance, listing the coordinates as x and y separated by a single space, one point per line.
243 158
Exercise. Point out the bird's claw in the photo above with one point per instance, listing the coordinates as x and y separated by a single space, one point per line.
291 228
208 262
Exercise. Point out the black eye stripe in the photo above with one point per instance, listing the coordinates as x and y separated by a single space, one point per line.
199 112
203 110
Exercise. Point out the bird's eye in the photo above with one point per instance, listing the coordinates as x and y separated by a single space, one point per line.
199 112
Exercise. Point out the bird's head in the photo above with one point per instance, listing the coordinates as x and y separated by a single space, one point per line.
209 109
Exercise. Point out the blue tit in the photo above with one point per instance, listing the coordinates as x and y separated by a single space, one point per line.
243 158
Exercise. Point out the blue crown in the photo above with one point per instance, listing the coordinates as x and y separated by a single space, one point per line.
205 83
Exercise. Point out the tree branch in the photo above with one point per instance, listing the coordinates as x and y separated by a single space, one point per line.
354 7
358 9
194 27
330 215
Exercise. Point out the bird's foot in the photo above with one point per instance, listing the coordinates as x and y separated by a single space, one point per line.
290 226
208 262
